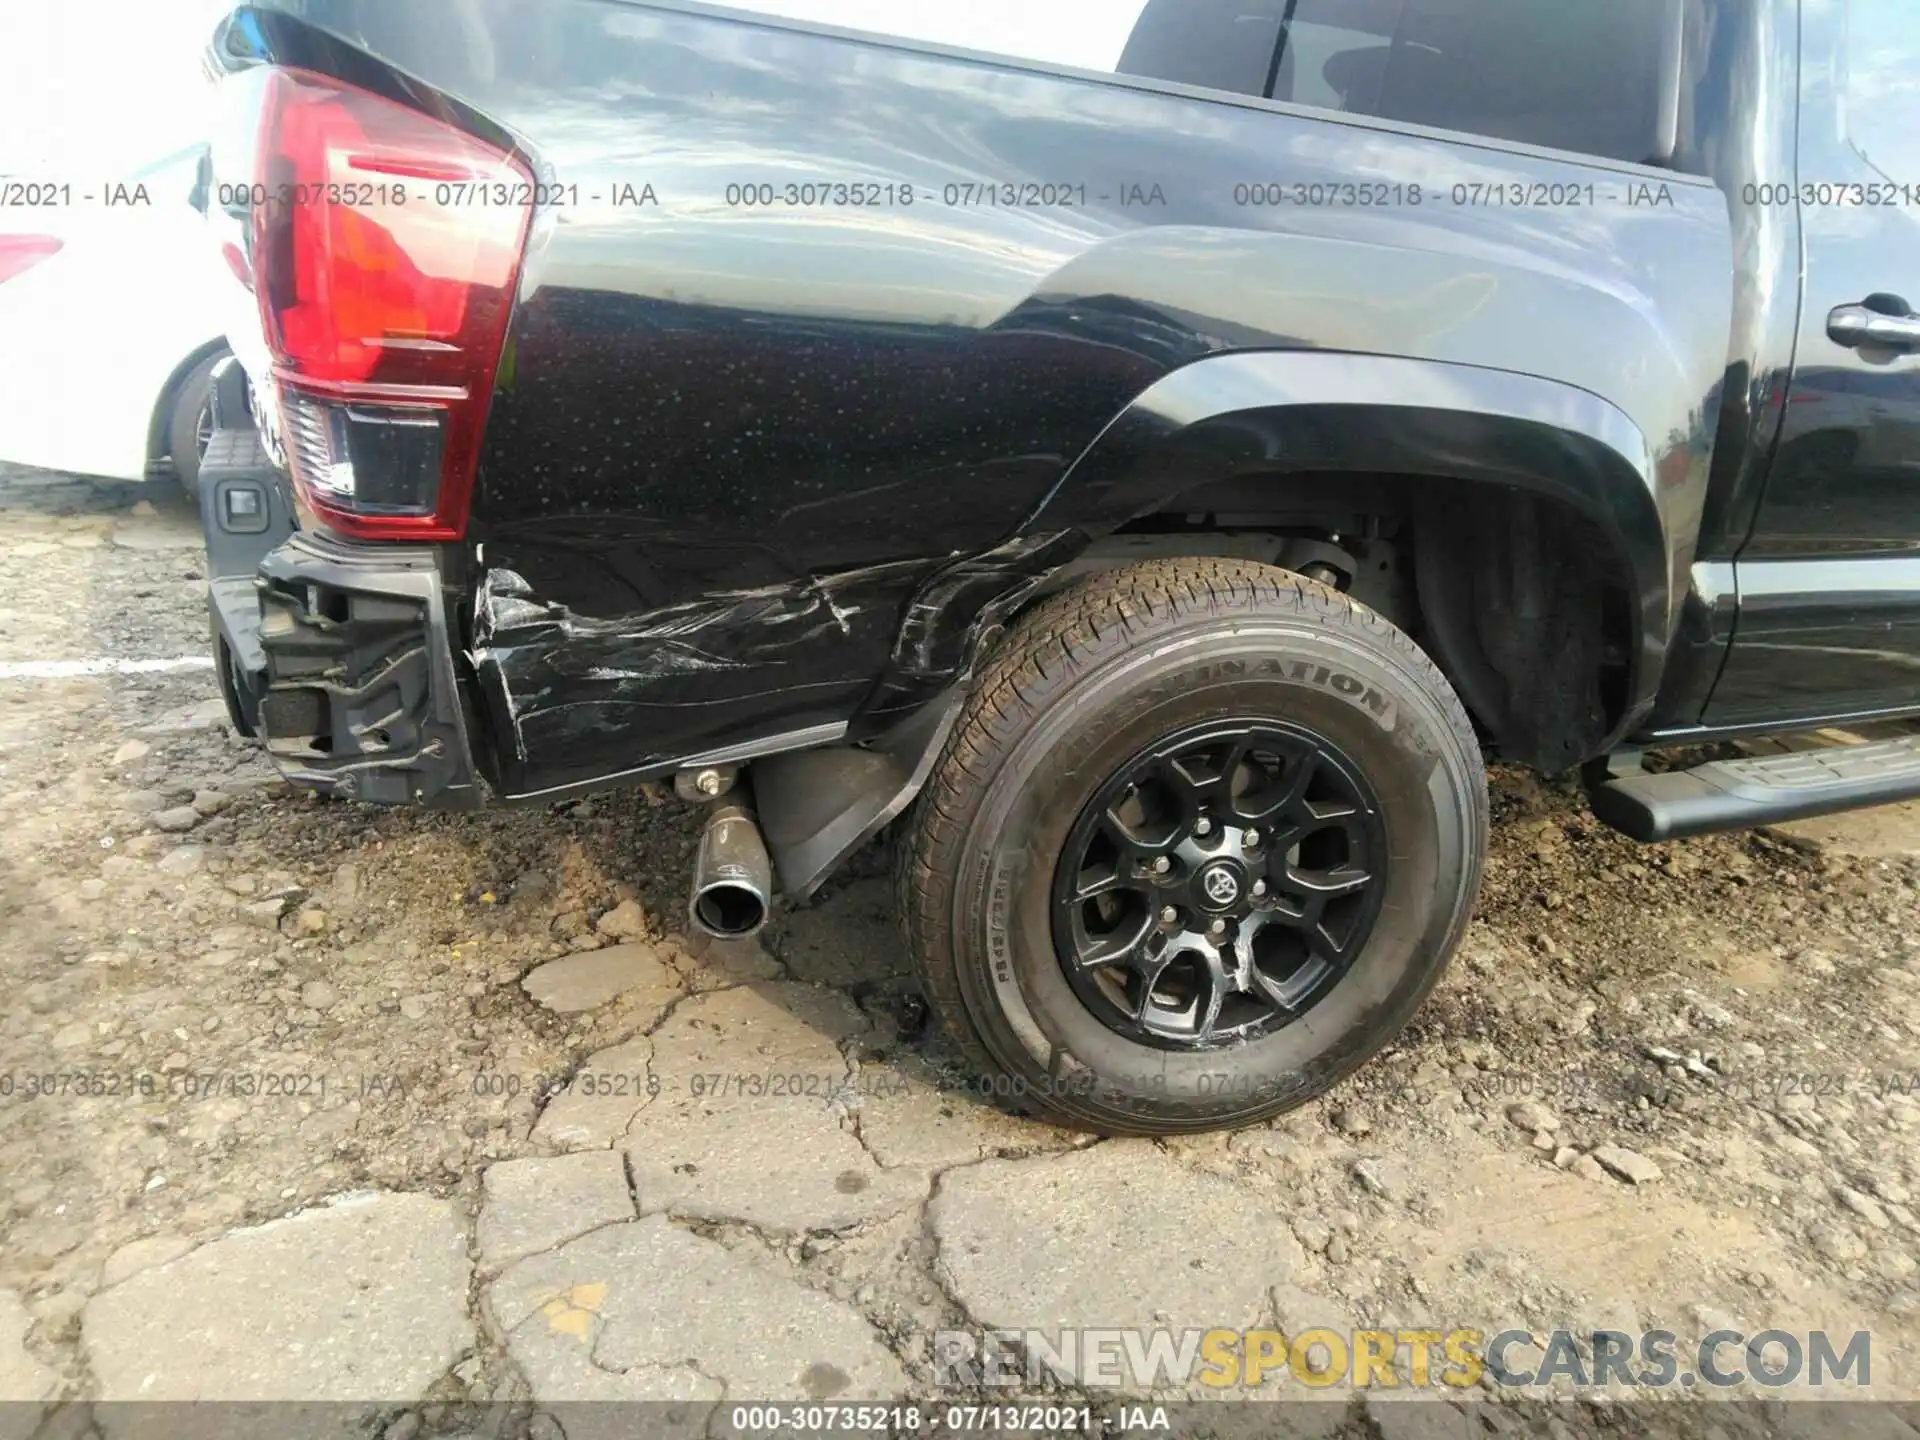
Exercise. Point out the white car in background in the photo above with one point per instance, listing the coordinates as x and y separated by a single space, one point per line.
109 324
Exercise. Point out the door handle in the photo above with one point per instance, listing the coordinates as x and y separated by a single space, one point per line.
1855 326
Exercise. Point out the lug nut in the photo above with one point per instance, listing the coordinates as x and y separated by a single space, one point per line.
1162 865
1259 887
1218 927
1250 839
1169 915
1203 826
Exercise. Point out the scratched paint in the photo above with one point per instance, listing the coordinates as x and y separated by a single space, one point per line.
578 696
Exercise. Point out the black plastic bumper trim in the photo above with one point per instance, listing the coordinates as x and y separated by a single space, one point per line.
357 645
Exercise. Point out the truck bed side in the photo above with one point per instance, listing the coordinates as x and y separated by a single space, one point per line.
739 450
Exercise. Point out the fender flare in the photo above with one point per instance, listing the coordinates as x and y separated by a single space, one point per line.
1304 411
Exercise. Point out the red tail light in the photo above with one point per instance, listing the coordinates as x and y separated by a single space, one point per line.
384 246
20 253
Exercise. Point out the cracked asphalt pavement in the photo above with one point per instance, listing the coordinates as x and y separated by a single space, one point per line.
449 1118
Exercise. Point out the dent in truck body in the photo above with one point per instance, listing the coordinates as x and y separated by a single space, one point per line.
585 692
553 678
947 623
713 417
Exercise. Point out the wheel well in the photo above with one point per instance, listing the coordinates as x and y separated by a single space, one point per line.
157 441
1518 598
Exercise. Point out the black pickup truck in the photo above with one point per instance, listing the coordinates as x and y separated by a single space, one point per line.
1152 452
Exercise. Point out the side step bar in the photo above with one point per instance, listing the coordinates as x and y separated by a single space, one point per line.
1740 794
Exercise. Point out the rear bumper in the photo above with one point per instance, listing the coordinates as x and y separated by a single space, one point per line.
359 697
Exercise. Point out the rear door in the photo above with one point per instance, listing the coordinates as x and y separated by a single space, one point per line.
1829 582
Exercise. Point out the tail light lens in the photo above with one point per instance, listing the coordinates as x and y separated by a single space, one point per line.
382 248
20 253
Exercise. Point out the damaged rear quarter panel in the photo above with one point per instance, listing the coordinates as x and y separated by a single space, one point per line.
574 697
730 446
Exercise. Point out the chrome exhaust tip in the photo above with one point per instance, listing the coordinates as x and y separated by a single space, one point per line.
732 876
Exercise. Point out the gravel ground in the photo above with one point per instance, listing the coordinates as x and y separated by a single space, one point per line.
1667 1088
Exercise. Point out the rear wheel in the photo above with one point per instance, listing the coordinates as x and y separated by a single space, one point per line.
190 425
1204 839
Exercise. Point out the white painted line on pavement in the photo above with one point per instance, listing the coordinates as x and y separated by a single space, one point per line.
66 669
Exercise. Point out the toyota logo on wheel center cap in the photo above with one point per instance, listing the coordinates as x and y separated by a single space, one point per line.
1221 885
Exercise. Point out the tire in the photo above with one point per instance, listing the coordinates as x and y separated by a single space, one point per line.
191 407
1114 673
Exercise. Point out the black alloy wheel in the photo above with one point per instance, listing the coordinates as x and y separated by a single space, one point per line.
1219 884
1200 843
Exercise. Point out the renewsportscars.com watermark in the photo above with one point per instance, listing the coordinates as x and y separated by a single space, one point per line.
1458 1359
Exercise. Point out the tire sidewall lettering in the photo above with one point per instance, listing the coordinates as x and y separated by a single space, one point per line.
1365 695
1049 773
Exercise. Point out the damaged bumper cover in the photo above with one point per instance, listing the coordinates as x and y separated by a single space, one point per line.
360 697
